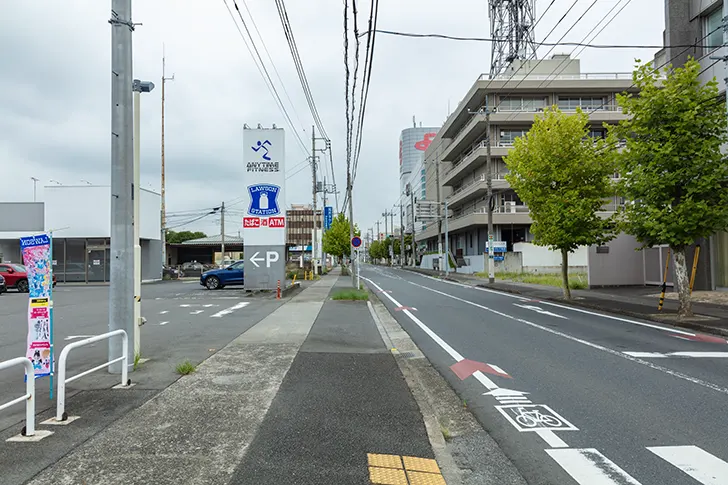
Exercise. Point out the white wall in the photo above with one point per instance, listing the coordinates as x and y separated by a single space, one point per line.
542 256
85 211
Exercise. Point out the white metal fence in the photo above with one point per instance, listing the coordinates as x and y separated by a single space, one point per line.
62 381
29 397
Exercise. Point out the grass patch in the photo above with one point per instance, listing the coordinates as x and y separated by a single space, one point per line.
185 368
351 294
577 281
137 360
445 432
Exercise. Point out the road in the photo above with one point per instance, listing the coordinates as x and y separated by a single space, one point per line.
572 396
184 322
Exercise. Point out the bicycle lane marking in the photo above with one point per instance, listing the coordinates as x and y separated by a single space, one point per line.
503 396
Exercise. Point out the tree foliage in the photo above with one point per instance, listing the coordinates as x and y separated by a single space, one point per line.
174 237
563 176
336 241
672 168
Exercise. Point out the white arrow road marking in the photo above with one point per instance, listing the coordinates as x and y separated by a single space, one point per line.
503 392
72 337
163 323
163 312
698 463
209 305
589 467
185 305
254 259
196 312
540 310
698 355
228 311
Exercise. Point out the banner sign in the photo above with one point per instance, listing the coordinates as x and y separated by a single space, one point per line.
328 217
264 222
37 259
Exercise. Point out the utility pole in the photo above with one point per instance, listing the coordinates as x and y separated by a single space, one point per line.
121 290
414 242
352 252
489 194
222 234
447 244
313 173
378 233
385 214
163 188
401 235
439 209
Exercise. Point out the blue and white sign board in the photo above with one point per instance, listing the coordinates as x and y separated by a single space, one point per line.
264 223
328 217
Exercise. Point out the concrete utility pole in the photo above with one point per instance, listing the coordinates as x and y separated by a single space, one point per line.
138 87
378 233
401 235
313 174
489 194
439 209
121 290
385 214
414 242
447 244
163 188
352 251
222 234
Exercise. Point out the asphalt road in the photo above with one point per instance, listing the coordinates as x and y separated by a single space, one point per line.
573 396
184 322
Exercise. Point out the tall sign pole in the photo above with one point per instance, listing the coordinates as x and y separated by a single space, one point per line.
121 290
264 223
163 174
313 174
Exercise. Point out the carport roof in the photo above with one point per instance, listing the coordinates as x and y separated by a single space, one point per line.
215 240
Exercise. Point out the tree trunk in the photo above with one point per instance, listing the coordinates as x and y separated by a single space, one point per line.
565 273
682 283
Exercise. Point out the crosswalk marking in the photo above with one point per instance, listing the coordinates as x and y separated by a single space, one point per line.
228 311
589 467
694 461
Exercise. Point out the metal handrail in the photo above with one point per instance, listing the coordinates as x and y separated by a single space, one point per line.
62 381
29 397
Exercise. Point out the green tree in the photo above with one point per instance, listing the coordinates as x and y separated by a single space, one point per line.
673 171
563 176
375 250
336 240
174 237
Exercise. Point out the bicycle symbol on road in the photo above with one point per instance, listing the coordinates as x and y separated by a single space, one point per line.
534 417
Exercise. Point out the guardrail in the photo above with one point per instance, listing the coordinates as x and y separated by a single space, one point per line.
62 381
29 397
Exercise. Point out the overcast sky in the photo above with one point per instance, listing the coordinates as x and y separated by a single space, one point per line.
55 88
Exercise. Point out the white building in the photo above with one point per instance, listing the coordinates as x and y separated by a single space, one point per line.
80 218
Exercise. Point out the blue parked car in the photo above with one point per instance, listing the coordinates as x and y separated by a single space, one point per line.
220 278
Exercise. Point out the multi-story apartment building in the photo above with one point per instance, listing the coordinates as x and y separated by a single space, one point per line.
455 161
300 222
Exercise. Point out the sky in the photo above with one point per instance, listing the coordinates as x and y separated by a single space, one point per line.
55 89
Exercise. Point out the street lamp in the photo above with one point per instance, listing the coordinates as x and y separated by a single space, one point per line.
138 87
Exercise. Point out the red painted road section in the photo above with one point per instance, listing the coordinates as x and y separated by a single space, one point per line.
466 367
702 338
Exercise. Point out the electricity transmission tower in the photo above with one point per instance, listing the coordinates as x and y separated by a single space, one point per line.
511 27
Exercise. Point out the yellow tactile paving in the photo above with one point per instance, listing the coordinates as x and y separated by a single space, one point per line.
384 461
387 476
420 464
423 478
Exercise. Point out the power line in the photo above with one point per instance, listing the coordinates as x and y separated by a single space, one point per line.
264 71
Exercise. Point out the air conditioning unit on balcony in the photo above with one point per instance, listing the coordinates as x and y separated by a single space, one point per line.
510 206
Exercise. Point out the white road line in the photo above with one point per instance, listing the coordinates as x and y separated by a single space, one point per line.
694 461
697 355
589 467
515 401
196 312
163 323
163 312
620 319
551 438
228 311
671 372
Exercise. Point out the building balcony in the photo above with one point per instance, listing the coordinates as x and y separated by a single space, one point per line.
477 188
476 155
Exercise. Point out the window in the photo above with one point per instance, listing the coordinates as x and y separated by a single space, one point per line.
585 103
509 103
596 134
507 137
712 31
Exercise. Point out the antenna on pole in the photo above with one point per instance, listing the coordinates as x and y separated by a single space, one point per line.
511 27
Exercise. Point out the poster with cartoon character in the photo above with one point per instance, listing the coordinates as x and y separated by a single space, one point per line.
37 259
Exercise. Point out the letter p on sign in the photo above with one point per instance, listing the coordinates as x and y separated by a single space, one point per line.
271 257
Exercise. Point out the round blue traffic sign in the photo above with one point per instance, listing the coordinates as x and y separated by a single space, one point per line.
356 241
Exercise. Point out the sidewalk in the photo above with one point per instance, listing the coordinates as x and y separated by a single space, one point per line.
635 301
309 395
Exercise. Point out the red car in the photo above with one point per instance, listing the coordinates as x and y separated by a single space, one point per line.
16 276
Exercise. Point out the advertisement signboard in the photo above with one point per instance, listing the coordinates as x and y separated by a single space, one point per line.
264 223
328 217
37 259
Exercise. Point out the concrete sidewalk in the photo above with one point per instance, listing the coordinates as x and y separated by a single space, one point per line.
637 301
309 395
